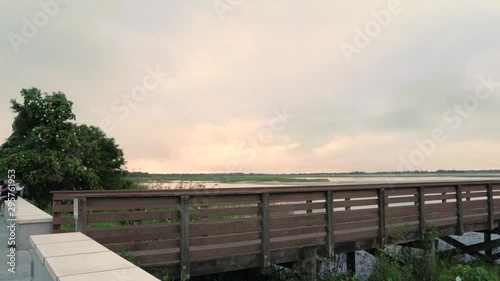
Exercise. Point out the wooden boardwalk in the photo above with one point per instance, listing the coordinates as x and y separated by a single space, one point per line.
203 231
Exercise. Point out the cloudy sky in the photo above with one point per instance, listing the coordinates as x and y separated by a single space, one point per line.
268 86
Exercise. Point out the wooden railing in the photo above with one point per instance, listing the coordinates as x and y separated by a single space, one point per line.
195 232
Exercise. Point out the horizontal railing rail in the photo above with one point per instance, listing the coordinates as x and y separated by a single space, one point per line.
207 231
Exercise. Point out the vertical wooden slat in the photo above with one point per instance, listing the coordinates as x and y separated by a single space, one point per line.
491 221
266 251
487 234
329 224
81 220
421 210
460 217
381 212
309 211
184 243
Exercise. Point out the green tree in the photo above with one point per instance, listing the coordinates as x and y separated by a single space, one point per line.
49 151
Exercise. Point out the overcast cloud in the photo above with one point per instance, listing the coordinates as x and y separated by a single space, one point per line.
266 86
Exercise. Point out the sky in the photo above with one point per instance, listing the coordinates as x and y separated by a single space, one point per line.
281 86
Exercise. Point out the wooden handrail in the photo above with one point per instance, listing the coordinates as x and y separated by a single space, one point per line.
191 229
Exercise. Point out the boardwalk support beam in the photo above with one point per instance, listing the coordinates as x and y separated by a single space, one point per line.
381 213
329 224
266 250
460 217
184 246
81 215
421 211
308 266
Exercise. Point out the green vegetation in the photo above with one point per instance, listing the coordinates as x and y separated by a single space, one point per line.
49 151
128 255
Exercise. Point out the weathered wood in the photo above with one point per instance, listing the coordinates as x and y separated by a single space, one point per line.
348 236
184 241
131 203
289 207
366 194
265 226
227 224
401 211
224 212
357 224
225 200
491 215
440 207
202 228
421 211
81 221
221 250
398 200
225 238
296 197
298 241
144 245
299 219
355 203
298 230
329 224
133 215
309 211
123 231
381 213
459 212
354 215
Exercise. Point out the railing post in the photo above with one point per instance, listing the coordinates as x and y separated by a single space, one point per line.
184 243
80 214
329 224
491 221
264 211
460 217
421 211
381 214
56 227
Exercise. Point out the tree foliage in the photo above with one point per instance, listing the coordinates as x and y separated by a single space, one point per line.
49 151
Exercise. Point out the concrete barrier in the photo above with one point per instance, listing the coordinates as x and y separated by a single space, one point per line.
28 219
76 257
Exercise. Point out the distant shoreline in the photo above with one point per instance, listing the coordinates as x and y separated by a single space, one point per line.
301 177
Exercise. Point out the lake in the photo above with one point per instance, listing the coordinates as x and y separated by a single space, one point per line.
331 180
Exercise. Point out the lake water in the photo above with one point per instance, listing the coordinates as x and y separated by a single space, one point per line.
331 180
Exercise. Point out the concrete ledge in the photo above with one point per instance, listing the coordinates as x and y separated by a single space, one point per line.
29 220
76 257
